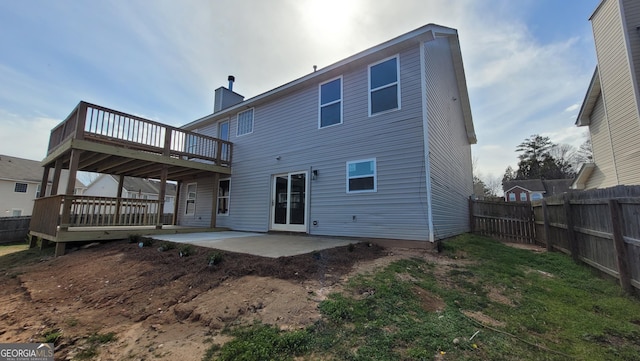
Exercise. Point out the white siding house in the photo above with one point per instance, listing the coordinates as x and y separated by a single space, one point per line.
611 106
376 145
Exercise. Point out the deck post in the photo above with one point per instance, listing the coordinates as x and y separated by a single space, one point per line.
33 241
161 196
65 220
60 249
56 177
119 198
45 181
214 207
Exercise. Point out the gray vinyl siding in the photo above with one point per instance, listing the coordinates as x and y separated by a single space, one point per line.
288 128
603 175
618 89
449 148
202 215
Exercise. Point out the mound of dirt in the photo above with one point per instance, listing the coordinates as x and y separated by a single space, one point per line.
163 306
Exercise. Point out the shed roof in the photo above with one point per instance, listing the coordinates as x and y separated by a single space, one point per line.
590 99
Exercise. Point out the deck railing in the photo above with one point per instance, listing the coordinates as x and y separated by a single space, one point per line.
97 123
92 211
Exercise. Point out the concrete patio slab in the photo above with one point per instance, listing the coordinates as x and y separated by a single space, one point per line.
259 244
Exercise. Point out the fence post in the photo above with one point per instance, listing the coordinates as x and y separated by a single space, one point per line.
620 246
471 220
571 236
547 228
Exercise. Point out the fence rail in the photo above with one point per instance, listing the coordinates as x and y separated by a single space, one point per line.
100 124
599 227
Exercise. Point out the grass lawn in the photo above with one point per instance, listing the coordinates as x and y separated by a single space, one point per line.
5 249
490 302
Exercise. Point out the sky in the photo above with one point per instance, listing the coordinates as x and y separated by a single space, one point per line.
528 63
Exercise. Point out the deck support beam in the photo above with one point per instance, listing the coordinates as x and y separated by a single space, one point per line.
60 248
56 177
161 196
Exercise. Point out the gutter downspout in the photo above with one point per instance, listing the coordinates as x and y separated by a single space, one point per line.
425 137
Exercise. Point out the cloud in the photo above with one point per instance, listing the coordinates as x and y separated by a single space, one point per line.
24 137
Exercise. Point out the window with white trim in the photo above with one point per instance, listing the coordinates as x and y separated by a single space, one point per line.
21 188
16 212
190 206
245 122
512 197
224 187
38 189
523 197
361 176
330 112
384 86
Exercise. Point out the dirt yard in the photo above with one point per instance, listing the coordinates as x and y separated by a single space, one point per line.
165 307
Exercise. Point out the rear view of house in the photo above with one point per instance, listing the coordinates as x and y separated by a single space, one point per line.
612 104
376 145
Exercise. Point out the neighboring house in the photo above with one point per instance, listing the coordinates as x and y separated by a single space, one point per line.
376 145
534 189
20 181
611 106
137 188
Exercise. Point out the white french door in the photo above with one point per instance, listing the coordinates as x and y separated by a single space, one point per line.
289 202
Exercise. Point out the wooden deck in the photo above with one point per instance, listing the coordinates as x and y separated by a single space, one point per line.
111 142
102 140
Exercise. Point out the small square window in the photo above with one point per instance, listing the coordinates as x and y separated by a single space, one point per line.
361 176
523 197
512 197
21 188
245 122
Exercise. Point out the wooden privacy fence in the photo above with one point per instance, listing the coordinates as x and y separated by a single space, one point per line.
509 222
14 229
599 227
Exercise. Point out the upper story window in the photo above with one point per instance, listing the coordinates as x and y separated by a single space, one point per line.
330 103
361 176
20 188
512 197
384 86
523 197
245 122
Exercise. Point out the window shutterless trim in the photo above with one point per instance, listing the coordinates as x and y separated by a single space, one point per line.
397 83
252 110
374 175
194 199
321 105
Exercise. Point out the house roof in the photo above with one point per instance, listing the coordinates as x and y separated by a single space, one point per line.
422 34
590 99
20 169
531 185
547 186
148 186
583 176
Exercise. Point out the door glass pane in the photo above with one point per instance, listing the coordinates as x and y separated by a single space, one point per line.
298 190
280 213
